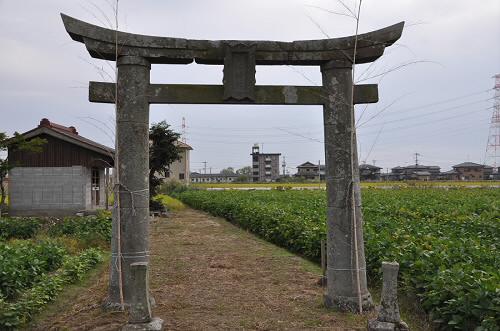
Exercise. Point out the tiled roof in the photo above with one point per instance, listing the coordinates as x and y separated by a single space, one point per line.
182 144
368 166
70 132
307 165
468 165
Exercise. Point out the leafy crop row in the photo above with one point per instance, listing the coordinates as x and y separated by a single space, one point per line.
17 313
20 228
445 241
93 230
33 271
23 263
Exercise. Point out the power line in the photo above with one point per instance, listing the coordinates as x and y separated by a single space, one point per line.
427 114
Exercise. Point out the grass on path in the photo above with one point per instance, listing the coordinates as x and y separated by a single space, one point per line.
207 274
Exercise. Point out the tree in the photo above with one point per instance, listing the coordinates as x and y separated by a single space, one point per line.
227 171
244 171
163 151
15 143
244 174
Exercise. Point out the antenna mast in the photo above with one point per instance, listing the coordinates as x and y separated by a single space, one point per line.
416 158
183 134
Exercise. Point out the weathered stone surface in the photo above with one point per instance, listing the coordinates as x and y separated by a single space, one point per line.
132 127
100 43
388 314
239 72
214 94
140 310
389 308
375 325
156 324
343 290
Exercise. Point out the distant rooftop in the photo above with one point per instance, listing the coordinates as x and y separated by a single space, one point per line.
469 165
70 133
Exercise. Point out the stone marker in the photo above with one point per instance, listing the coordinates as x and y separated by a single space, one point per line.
140 309
388 316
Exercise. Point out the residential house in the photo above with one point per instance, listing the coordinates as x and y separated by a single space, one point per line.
414 172
309 170
265 166
473 171
449 175
368 172
69 175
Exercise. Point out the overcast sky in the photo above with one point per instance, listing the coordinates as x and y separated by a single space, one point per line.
440 106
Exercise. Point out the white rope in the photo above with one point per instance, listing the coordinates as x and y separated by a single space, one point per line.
132 194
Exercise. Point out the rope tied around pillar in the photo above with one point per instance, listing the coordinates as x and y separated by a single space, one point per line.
132 194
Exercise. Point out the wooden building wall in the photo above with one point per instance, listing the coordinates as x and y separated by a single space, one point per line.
58 153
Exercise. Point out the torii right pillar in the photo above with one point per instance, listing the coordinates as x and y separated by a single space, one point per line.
346 266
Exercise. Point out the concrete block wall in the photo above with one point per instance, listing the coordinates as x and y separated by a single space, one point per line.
48 191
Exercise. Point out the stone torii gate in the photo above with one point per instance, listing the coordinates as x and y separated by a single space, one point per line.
346 280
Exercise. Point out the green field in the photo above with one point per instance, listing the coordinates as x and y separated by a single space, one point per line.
446 241
39 257
398 184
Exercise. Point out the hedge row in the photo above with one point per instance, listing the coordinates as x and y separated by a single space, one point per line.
445 241
16 313
20 228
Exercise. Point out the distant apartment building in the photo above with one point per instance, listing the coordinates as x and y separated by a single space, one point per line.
472 171
309 170
265 166
197 177
369 172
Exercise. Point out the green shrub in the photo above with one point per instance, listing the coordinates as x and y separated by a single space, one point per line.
169 202
20 228
23 263
172 186
91 230
15 314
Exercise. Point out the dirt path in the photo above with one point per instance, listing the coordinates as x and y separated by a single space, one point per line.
207 274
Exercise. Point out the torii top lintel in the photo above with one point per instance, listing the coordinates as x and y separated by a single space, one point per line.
101 42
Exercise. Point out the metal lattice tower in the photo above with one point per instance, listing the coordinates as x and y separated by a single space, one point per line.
493 144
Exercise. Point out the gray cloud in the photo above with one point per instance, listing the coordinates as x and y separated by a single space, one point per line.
45 74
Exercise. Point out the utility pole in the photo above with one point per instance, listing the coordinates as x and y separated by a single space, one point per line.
319 173
416 158
205 166
283 165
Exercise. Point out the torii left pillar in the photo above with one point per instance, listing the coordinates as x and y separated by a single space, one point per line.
132 152
347 288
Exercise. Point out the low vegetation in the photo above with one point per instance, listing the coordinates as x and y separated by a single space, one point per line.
39 257
389 184
446 241
21 228
170 203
